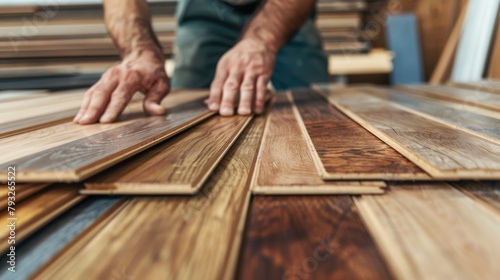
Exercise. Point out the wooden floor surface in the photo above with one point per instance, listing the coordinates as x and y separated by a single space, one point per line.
433 231
288 164
308 237
441 150
195 237
347 150
180 165
84 156
21 191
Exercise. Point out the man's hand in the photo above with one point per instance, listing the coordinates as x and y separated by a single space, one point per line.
139 71
244 69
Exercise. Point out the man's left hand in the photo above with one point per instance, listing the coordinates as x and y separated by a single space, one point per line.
246 69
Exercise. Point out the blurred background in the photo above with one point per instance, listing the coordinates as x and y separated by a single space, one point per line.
368 41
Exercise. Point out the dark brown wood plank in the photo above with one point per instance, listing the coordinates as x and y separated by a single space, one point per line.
347 150
308 237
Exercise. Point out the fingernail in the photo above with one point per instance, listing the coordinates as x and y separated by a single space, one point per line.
226 111
213 106
105 119
244 111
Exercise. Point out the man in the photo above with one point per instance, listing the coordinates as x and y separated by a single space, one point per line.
233 47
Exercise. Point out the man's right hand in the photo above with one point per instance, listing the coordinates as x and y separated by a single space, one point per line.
141 70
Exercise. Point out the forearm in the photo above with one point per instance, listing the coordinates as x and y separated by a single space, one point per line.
129 24
278 20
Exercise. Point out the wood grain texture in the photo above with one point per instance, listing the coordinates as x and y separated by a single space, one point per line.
308 237
173 234
347 150
486 193
442 151
84 156
38 210
287 162
493 71
489 86
464 96
180 165
21 192
470 119
424 230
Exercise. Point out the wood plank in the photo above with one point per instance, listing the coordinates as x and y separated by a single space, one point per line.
347 150
38 210
16 95
87 155
176 237
178 166
493 71
470 119
490 86
442 151
287 160
21 192
308 237
485 193
424 229
464 96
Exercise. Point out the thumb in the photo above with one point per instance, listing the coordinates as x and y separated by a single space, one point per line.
152 102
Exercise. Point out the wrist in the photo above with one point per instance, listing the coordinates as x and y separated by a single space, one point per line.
263 38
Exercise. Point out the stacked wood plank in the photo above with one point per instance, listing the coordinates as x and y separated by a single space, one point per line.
310 144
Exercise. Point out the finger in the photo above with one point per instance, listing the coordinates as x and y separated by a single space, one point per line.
260 97
85 103
99 101
119 100
229 93
247 92
152 102
216 88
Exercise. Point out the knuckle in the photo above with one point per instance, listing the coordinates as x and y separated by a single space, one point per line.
231 85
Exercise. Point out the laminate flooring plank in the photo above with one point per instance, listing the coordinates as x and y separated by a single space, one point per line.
173 235
16 95
83 157
308 237
449 113
441 150
485 192
180 165
423 230
38 210
489 86
465 96
347 150
21 192
286 163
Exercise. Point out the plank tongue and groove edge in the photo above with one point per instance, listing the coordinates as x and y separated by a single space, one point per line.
85 156
472 120
432 231
39 209
172 234
180 165
347 150
286 161
308 237
442 151
470 97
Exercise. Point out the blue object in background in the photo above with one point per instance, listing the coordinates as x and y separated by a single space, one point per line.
403 40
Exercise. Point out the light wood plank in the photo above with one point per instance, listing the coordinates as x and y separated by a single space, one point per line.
490 86
476 98
485 193
38 210
442 151
470 119
84 156
308 237
170 233
286 164
432 231
347 150
178 166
